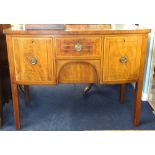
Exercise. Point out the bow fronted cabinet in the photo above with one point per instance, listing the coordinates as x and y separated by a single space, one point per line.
103 54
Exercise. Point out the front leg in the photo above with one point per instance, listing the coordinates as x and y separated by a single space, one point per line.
137 104
15 100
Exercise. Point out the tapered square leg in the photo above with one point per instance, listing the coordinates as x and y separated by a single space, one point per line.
137 102
15 100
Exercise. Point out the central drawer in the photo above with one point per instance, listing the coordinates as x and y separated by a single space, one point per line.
78 46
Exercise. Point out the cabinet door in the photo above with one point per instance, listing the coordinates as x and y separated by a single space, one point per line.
33 59
121 60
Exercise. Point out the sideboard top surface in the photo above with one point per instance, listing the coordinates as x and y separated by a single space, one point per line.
90 29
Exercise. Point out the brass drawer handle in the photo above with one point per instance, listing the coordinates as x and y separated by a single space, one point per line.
78 47
123 59
33 61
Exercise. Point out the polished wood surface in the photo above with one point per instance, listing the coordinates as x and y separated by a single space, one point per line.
110 31
104 56
122 93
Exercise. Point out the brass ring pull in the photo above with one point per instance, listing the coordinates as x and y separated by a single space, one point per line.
78 47
123 59
33 61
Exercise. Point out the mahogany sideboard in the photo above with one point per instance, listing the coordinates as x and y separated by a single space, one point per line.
89 55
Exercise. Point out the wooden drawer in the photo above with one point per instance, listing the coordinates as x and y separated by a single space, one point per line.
78 71
82 46
122 56
33 59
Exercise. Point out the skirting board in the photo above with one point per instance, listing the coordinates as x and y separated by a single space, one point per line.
144 97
